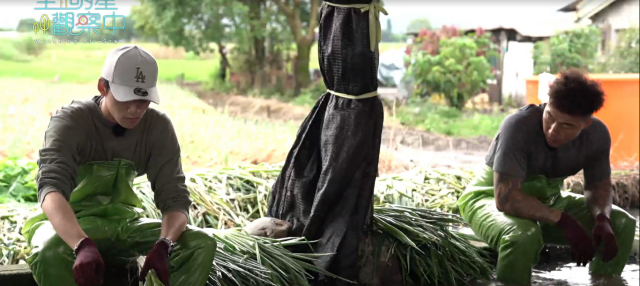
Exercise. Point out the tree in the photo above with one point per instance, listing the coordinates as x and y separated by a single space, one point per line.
572 49
418 24
457 67
625 57
303 34
191 24
26 25
387 34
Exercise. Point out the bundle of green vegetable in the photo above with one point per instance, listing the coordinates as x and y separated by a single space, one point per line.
423 188
233 197
241 259
229 198
13 247
430 251
250 260
223 198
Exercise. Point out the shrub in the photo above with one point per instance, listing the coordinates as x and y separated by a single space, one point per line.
571 49
625 57
9 52
457 66
24 48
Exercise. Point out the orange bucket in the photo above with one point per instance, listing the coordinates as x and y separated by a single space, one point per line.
621 114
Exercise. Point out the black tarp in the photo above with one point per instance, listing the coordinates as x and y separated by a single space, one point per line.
325 189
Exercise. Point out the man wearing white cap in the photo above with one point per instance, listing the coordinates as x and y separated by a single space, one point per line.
92 151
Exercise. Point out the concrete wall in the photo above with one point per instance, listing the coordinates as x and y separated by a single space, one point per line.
619 15
518 65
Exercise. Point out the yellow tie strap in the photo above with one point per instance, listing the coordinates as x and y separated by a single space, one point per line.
375 30
366 95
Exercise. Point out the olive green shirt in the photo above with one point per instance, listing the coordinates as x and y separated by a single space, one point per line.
79 133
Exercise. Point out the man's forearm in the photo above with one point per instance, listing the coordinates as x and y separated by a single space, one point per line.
524 206
62 218
599 198
173 224
511 200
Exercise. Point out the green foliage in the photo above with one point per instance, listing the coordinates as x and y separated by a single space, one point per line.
27 44
191 24
571 49
10 52
25 25
625 57
388 35
17 181
215 83
458 68
270 30
310 95
445 120
256 34
22 49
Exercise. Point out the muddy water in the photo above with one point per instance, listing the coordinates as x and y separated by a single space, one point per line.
555 268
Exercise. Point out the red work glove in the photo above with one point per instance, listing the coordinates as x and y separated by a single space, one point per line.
88 269
582 249
158 260
602 233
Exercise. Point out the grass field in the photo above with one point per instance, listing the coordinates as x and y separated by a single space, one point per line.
437 118
207 136
82 62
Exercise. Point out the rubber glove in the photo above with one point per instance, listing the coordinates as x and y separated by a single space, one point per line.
158 260
582 248
602 233
88 268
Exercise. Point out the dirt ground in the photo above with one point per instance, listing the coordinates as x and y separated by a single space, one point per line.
403 148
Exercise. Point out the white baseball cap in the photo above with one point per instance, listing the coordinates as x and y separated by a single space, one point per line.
132 73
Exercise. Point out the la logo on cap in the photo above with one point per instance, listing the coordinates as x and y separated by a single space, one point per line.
139 75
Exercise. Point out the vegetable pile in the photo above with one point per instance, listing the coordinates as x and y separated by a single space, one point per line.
414 212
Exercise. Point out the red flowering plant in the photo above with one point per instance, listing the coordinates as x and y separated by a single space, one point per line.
450 63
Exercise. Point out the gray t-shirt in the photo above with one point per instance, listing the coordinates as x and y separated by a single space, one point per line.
520 149
79 133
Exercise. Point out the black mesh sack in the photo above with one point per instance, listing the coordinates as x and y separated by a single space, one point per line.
325 189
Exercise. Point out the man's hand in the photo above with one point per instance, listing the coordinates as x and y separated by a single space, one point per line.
602 233
599 198
511 200
173 224
158 260
582 249
88 269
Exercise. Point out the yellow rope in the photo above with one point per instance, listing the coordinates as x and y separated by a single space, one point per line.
366 95
375 31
